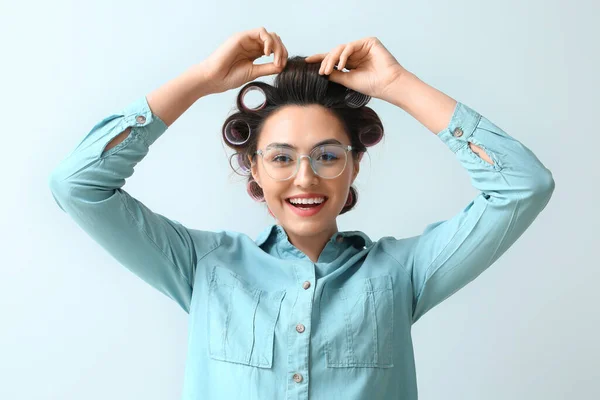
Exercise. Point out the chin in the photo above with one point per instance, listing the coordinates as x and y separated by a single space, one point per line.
306 227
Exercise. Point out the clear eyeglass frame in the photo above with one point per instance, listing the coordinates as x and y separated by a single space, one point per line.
347 148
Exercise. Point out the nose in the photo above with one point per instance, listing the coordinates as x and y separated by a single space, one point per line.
305 175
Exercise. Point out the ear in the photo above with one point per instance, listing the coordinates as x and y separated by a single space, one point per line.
254 171
356 170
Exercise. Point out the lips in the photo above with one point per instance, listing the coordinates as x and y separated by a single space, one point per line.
307 205
305 210
308 196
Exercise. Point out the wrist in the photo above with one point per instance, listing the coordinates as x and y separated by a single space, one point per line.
398 92
426 104
201 80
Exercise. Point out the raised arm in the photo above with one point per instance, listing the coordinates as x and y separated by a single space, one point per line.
88 183
171 100
88 186
428 105
514 188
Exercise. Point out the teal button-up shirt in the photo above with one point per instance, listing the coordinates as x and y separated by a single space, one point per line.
265 322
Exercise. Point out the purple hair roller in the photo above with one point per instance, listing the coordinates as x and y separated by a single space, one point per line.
371 135
237 132
254 191
248 89
241 168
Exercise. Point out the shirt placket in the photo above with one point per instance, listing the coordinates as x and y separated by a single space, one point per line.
299 330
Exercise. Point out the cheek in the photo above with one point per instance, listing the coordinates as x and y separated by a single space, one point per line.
273 193
345 182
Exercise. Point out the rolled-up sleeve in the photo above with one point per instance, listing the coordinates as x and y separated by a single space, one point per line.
87 185
513 191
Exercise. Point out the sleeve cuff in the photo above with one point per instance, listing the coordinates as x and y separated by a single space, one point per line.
461 127
138 114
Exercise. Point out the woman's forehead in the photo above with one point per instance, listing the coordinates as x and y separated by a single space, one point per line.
301 127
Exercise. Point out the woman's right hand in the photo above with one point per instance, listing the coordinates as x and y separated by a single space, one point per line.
232 64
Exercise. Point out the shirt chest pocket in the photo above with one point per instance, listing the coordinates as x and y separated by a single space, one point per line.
241 320
358 323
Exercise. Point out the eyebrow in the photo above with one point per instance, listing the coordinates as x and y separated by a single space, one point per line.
289 146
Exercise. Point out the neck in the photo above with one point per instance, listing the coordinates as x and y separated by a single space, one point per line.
313 244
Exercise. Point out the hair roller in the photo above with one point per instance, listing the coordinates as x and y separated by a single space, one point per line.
255 191
352 200
258 86
237 132
356 99
371 135
242 167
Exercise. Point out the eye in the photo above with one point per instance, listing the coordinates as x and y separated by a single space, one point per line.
281 158
328 157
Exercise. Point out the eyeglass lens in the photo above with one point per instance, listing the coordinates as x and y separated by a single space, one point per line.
328 161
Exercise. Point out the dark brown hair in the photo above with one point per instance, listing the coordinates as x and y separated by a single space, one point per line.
299 83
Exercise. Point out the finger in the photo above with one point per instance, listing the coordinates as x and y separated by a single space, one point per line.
323 63
265 69
279 51
332 60
359 50
267 45
286 54
259 36
275 47
283 51
315 57
335 59
344 57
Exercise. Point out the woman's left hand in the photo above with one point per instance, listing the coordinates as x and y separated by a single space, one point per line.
372 68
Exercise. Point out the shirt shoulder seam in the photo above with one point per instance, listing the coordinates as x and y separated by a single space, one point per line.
398 262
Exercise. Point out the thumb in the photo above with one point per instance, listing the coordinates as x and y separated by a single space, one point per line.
259 70
340 77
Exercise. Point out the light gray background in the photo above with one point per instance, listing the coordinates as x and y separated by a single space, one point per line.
77 325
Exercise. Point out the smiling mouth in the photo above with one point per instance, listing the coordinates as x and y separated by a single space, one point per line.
307 206
306 210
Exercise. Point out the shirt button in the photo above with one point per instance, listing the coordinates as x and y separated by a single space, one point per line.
306 285
458 132
140 119
339 239
300 328
297 378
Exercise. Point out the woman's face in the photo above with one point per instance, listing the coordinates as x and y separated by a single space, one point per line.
303 127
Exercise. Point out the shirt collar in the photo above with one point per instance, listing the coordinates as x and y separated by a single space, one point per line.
277 233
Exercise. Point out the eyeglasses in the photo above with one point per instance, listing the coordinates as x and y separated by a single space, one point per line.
327 161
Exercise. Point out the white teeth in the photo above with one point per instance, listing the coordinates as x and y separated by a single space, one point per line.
317 200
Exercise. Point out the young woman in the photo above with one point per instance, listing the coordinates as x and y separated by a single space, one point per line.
303 311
